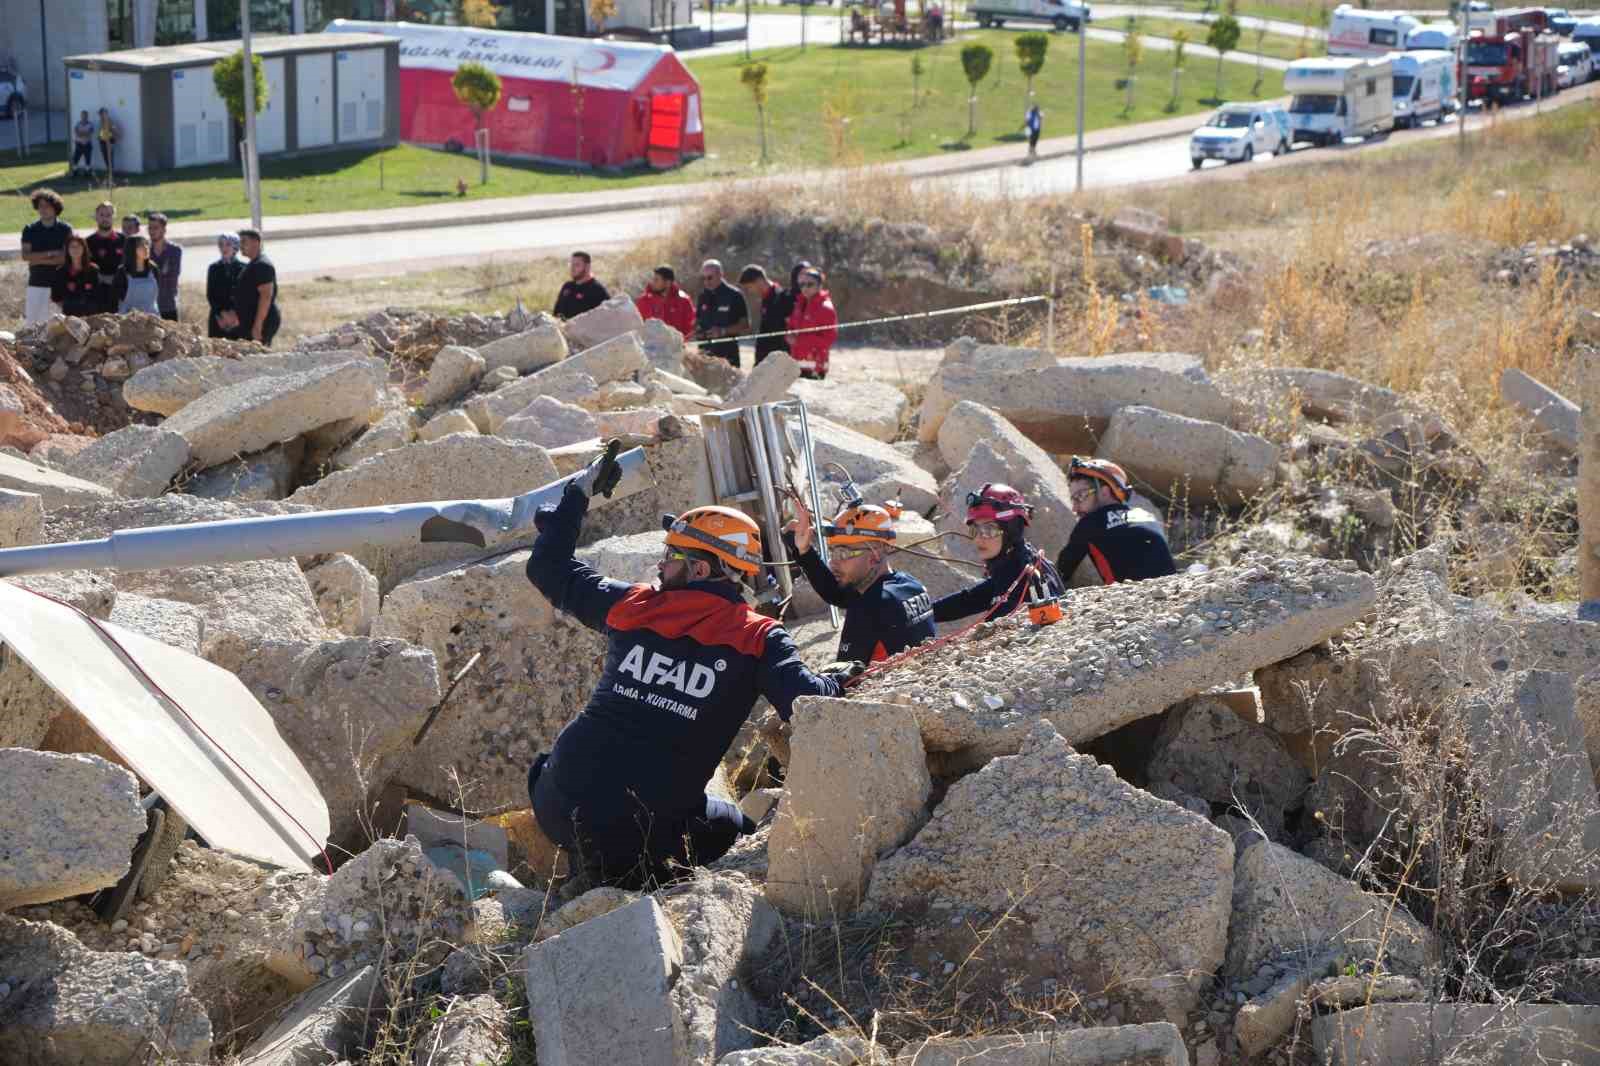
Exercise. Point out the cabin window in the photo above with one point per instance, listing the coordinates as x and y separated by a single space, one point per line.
1387 38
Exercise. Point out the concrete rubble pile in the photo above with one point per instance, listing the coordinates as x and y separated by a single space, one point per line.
1132 822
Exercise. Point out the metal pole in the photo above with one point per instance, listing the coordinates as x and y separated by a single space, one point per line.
747 31
44 62
1083 35
252 172
1461 75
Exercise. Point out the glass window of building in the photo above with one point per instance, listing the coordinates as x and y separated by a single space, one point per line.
174 21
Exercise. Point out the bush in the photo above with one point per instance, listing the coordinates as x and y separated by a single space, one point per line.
228 77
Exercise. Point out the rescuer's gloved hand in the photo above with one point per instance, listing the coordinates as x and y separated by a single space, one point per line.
844 672
600 477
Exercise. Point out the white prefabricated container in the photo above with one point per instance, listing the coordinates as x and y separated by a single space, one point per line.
360 77
314 89
200 122
117 92
272 125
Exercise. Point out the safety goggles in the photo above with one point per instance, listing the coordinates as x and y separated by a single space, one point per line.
986 530
673 555
1082 495
847 553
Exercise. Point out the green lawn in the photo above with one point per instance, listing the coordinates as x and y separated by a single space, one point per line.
828 104
1271 45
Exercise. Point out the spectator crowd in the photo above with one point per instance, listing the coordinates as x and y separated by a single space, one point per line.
799 320
111 271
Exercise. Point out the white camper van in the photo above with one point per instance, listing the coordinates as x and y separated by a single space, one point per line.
1335 98
1424 86
1434 37
1355 31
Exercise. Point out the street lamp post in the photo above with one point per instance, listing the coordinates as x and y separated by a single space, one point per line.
1083 34
252 177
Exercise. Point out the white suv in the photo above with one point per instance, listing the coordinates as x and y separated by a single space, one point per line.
1237 133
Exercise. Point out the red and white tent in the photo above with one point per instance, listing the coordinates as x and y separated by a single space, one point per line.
564 99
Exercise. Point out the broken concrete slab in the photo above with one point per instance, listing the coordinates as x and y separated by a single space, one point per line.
965 352
489 411
165 388
452 468
344 706
1321 395
135 460
616 316
445 423
394 430
322 1025
550 423
266 475
69 1004
1152 1044
1188 458
472 1032
533 349
726 931
1173 637
21 518
53 488
767 382
878 469
1492 1035
1287 904
1556 416
252 415
603 991
536 668
873 407
453 373
630 558
825 1050
1120 890
347 594
663 346
1065 407
631 422
856 788
75 821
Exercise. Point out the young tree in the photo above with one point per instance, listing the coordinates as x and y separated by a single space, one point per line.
1261 39
1224 37
1132 50
754 78
975 61
479 89
227 75
1180 49
1031 48
917 70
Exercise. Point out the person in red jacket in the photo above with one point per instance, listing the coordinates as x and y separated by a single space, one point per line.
813 308
664 300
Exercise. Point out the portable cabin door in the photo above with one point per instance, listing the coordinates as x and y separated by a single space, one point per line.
90 90
361 94
272 127
313 76
199 119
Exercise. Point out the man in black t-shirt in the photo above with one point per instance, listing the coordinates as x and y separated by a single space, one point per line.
1125 542
44 246
106 248
255 294
719 314
583 292
776 304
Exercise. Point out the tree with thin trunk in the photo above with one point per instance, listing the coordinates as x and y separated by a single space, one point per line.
1224 37
479 88
1031 48
754 78
1261 40
976 59
1133 50
1180 48
917 70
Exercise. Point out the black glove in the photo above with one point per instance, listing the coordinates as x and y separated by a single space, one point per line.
843 672
600 477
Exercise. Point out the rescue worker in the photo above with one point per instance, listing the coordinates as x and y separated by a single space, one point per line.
885 611
623 788
998 516
1125 543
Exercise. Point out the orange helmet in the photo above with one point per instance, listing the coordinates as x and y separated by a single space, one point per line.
1104 471
861 524
729 534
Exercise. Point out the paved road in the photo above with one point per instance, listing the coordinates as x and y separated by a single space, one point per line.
1161 160
1110 13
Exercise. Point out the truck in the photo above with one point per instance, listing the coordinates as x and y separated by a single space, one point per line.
1497 23
1237 133
1424 86
1515 63
1339 97
1354 31
1434 37
1062 14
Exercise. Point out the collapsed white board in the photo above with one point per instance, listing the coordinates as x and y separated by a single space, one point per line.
222 804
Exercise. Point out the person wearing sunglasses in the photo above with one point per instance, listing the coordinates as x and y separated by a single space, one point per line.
1124 541
997 517
720 315
813 311
885 611
623 788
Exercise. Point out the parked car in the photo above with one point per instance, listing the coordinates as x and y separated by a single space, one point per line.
1062 14
1576 64
13 93
1237 133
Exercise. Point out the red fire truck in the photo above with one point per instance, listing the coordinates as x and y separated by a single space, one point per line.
1511 55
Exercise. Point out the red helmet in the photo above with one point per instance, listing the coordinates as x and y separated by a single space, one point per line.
996 503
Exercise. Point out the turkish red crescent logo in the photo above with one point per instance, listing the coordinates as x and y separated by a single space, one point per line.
595 61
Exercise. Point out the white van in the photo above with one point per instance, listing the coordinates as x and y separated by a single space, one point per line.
1335 98
1237 133
1424 86
1434 37
1577 62
1587 32
1062 14
1355 31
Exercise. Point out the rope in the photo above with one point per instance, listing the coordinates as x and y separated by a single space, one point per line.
990 305
111 638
